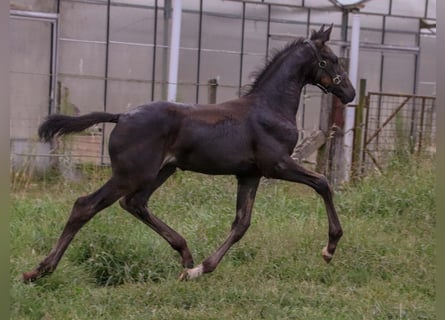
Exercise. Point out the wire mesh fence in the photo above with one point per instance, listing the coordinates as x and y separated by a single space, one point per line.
112 55
397 125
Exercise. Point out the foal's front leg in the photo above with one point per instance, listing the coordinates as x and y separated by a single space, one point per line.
288 169
247 187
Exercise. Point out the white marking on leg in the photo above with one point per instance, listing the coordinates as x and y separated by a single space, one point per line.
195 272
326 253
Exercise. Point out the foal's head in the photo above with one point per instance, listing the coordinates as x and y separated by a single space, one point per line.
326 72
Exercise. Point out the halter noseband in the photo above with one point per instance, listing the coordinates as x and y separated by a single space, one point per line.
322 66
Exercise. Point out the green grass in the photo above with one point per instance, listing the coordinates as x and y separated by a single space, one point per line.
117 268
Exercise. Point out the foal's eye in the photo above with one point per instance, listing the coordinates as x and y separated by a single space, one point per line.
335 60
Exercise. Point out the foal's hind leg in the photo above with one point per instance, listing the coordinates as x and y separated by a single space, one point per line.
83 210
289 170
136 202
247 187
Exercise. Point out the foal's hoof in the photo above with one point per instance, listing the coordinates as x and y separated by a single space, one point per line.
192 273
184 276
30 276
326 255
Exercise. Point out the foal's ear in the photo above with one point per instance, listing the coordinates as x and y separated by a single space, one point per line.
322 35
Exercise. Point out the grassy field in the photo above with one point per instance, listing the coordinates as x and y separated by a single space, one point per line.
117 268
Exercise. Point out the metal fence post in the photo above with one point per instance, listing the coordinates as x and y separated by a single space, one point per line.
212 88
358 132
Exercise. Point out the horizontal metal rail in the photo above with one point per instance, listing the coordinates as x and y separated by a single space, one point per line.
398 95
150 45
49 155
363 45
22 14
312 8
265 2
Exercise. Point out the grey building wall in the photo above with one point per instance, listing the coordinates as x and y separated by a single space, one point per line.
81 56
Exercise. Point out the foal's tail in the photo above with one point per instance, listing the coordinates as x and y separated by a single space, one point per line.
59 124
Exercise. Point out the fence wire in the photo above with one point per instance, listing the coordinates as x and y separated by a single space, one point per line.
398 125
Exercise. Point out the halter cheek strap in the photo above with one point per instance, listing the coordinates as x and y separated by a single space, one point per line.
322 67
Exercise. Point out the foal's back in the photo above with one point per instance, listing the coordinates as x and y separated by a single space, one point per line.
212 139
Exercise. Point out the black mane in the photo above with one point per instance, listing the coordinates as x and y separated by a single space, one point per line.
269 63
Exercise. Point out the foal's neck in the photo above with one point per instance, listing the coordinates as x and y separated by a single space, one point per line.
281 90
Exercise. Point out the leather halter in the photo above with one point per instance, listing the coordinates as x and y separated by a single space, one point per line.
323 66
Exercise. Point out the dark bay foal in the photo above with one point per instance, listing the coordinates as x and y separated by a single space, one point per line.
250 137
